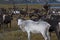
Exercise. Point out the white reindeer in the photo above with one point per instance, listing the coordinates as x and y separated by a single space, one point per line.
35 27
16 12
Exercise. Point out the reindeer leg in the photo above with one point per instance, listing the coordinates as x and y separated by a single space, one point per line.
47 34
28 35
7 25
10 24
44 36
0 26
57 32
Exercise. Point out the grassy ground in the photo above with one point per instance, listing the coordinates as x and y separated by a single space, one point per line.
13 33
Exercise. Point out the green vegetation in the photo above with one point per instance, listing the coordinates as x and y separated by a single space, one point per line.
20 5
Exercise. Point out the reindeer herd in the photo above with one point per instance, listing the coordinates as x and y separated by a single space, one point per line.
5 18
40 23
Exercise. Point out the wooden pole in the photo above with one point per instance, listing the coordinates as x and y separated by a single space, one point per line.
13 3
27 8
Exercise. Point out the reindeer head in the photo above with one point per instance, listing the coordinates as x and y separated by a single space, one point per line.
19 21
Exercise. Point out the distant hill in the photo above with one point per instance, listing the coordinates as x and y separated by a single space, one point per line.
26 1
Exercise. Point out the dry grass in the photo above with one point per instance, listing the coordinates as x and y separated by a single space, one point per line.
19 35
14 34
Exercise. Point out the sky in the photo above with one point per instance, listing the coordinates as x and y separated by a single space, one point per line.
58 0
